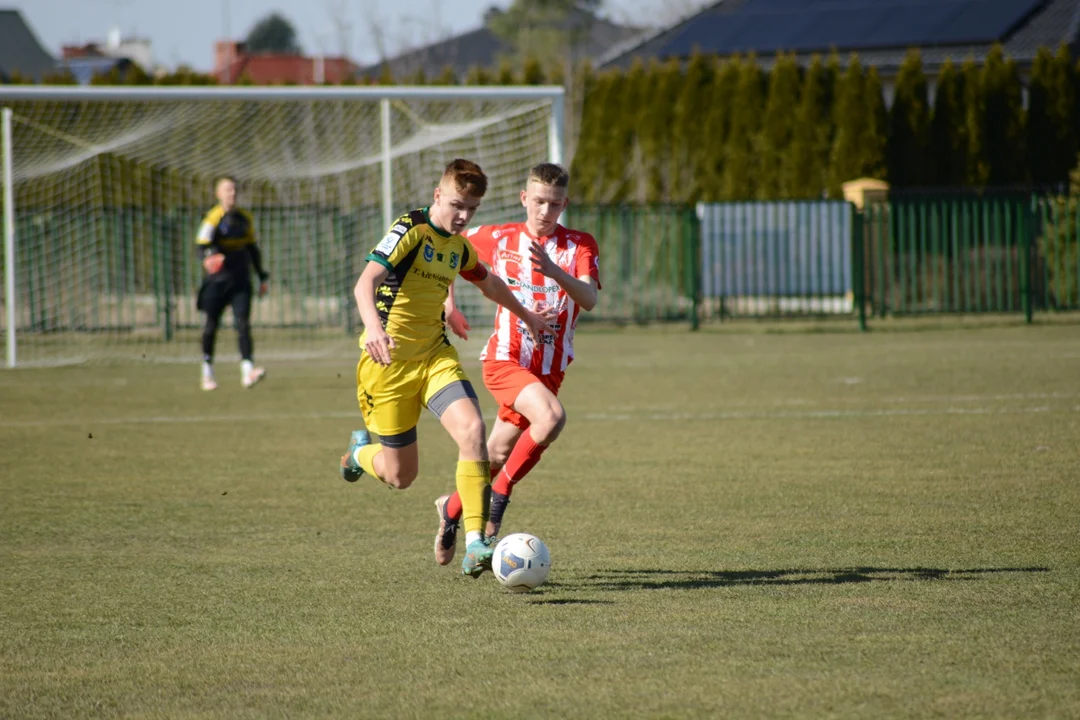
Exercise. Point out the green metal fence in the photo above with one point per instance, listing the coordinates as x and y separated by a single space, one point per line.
1012 254
1009 254
948 255
132 270
1057 253
649 261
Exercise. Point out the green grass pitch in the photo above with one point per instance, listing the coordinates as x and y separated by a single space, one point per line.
742 524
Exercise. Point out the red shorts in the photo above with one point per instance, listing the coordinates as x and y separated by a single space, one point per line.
506 379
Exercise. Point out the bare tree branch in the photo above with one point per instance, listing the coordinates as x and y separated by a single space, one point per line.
338 10
377 28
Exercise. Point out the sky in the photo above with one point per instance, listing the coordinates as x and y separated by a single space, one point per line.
184 31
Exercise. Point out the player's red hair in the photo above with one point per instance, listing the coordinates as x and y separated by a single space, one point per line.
467 177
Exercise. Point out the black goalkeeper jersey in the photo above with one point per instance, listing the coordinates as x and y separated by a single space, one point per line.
232 234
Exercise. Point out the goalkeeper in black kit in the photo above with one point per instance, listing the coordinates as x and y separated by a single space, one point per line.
228 252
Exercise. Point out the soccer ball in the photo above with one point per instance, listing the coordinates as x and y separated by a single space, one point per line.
521 562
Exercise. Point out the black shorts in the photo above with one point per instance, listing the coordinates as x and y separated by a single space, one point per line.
216 295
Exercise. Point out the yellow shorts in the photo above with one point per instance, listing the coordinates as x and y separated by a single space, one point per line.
391 398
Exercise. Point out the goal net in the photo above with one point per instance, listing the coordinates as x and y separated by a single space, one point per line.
109 187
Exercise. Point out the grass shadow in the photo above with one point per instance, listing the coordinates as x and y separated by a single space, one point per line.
659 579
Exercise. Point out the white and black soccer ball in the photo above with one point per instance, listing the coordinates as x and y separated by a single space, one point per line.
521 562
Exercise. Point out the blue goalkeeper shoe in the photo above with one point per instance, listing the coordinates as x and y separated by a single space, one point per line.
477 558
350 469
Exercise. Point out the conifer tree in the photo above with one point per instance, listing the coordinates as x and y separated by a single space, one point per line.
602 155
447 77
580 83
805 171
556 74
60 76
506 73
135 75
1040 129
689 129
1060 245
1065 113
777 126
112 76
531 72
1052 117
1003 120
655 140
418 77
725 82
478 76
588 156
17 78
875 141
850 113
909 125
977 162
741 158
623 132
948 130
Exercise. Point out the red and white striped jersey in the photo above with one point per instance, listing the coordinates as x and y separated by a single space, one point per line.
505 248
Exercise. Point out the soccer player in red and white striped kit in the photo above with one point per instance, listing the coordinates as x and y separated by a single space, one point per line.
547 266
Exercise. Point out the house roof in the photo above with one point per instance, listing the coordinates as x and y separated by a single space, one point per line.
82 51
484 48
84 68
20 50
272 68
880 31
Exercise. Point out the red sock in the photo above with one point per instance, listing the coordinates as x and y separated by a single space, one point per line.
453 505
523 458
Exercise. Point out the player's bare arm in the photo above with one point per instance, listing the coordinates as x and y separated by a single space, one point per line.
494 289
582 290
378 344
455 319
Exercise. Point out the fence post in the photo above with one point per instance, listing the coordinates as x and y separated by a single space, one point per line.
159 248
1028 225
167 233
346 231
6 153
692 263
155 263
858 266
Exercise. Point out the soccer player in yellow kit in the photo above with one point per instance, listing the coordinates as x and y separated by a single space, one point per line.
407 361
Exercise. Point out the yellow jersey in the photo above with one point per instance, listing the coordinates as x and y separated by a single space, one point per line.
423 261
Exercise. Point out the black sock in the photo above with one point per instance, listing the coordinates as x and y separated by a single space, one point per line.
498 507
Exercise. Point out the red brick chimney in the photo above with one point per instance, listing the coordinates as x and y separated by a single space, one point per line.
226 55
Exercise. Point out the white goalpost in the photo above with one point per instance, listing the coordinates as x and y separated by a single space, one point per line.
104 189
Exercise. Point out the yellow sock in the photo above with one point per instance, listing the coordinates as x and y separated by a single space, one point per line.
365 456
473 477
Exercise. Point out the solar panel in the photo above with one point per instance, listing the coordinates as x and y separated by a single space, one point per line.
901 27
766 26
842 29
706 35
988 20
